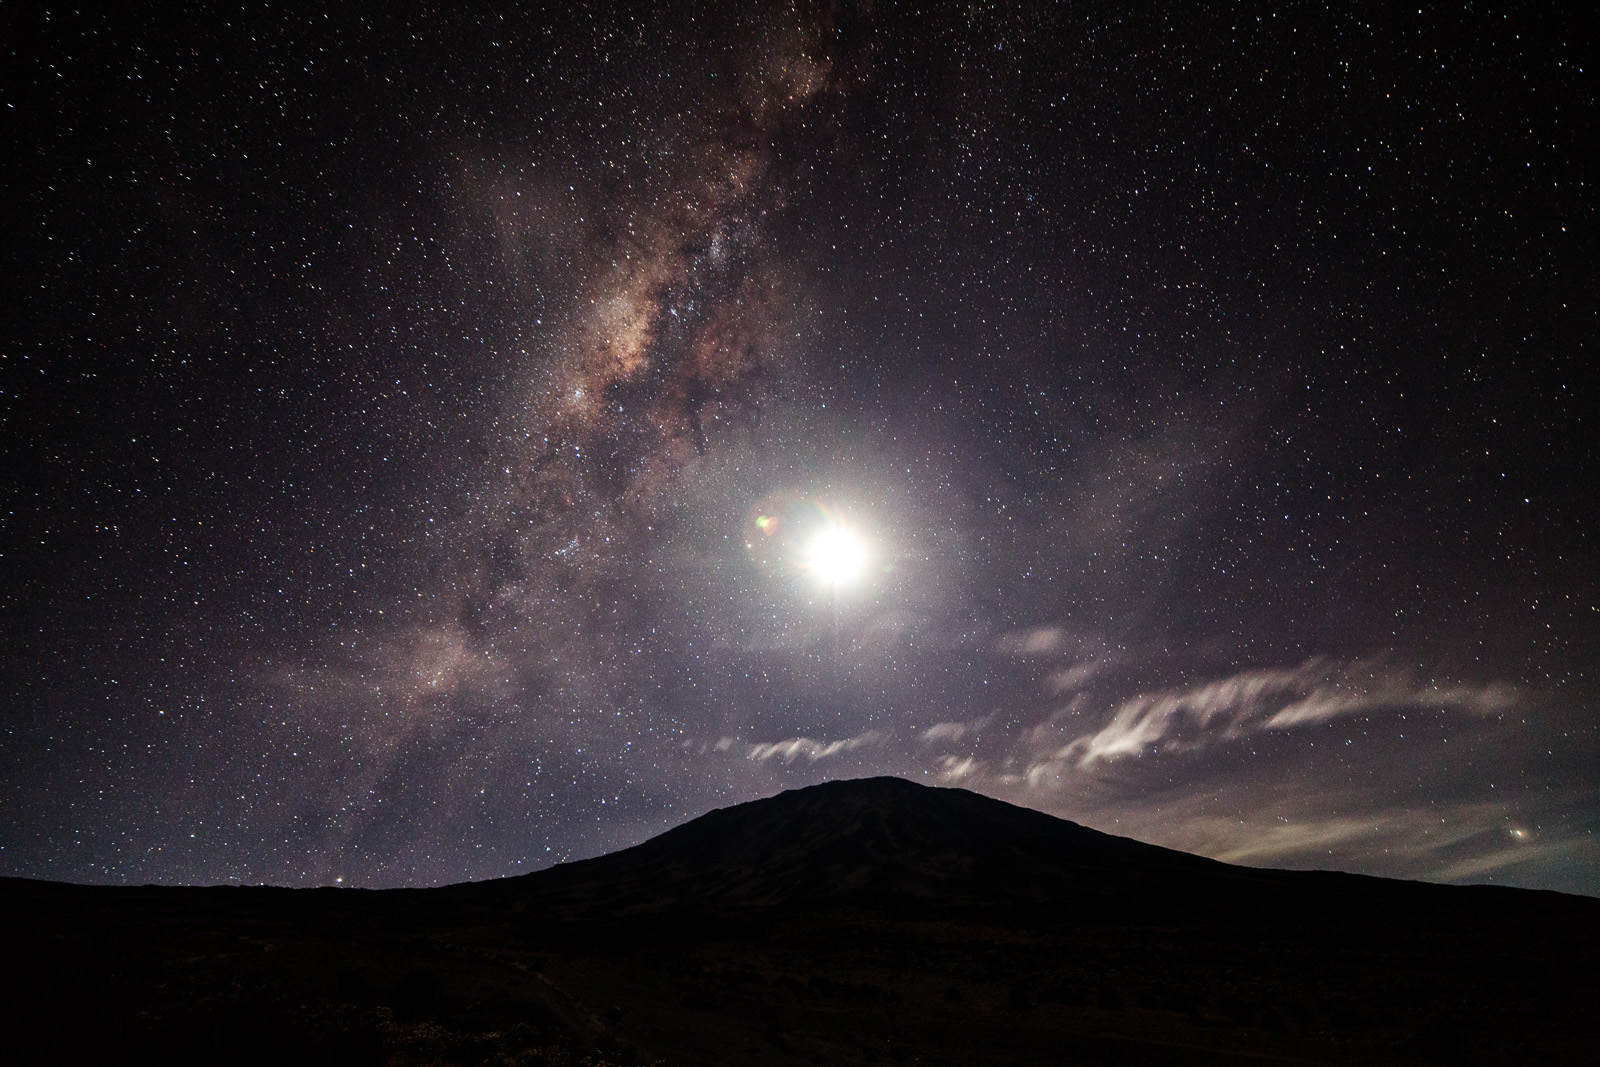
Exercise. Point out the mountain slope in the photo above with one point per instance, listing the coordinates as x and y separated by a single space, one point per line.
854 922
882 840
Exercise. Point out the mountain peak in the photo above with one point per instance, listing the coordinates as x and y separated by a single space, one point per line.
866 840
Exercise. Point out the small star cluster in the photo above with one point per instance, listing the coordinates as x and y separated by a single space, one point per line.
446 444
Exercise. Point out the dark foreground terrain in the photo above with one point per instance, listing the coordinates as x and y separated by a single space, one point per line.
872 921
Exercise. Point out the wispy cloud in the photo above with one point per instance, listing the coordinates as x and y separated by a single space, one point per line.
1402 833
956 768
794 748
1441 842
1486 865
954 731
1238 766
1323 704
1316 691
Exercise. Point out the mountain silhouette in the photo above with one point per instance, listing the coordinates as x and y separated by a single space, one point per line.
877 840
893 843
861 922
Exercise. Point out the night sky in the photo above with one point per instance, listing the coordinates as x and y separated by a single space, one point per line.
444 444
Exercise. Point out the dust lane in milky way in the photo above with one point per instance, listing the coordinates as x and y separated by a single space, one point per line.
456 444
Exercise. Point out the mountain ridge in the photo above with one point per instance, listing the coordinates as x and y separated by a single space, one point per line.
890 841
850 922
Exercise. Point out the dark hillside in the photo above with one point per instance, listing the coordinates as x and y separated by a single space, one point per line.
873 921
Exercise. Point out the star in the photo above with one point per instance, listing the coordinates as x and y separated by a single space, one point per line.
617 416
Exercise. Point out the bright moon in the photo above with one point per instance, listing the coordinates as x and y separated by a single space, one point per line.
837 556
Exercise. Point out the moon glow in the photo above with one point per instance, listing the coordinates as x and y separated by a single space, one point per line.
836 556
800 535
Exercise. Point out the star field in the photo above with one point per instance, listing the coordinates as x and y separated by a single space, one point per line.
444 444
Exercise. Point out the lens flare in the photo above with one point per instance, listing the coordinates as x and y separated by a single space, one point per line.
796 534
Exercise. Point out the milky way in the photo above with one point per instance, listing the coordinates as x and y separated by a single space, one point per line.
427 423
